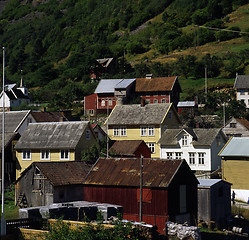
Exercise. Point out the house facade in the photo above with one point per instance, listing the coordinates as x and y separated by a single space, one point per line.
235 166
169 189
159 89
60 141
236 127
45 183
138 122
198 146
241 86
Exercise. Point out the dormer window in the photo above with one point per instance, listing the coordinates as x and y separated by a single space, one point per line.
184 140
232 125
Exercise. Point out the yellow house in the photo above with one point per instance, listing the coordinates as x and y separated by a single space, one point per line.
235 166
53 141
138 122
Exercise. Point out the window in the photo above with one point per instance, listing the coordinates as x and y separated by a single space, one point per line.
191 158
88 136
183 199
155 101
151 131
103 103
110 102
178 155
169 155
242 92
45 155
184 140
64 155
143 131
123 131
26 155
232 125
91 111
151 147
115 131
201 158
163 100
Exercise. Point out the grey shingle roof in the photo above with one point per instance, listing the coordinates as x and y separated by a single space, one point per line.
52 135
241 82
8 137
201 136
135 114
13 120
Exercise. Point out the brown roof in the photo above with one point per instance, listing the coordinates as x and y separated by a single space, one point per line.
126 147
62 173
155 84
126 172
243 122
48 116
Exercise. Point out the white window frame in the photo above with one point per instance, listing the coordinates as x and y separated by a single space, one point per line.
184 140
155 100
163 100
178 155
45 155
123 131
201 158
151 146
116 131
103 103
191 156
110 102
26 155
143 131
151 131
169 155
88 135
63 154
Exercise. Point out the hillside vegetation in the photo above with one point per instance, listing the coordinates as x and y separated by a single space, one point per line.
55 43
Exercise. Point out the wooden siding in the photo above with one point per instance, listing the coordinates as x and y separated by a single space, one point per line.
236 172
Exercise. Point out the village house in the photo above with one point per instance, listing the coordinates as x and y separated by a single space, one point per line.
198 146
15 123
99 132
107 94
235 166
44 183
236 127
60 141
142 122
130 148
214 202
159 89
241 86
14 97
169 189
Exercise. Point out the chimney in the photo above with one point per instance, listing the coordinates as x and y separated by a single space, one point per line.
143 102
148 76
43 109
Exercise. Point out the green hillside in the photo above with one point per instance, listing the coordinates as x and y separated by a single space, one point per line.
55 43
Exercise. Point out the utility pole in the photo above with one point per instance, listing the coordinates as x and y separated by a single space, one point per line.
206 84
3 222
141 190
107 138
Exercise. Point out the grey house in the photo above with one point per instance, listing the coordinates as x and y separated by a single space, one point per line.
241 85
214 201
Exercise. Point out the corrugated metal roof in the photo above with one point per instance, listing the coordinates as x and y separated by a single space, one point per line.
13 120
53 135
186 104
155 84
241 82
107 85
237 146
126 172
135 114
207 182
125 83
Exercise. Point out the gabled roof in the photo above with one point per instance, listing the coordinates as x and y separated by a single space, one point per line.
158 84
61 173
201 136
241 82
210 182
48 116
13 120
105 61
8 137
126 147
125 83
135 114
243 122
236 147
107 85
53 135
126 172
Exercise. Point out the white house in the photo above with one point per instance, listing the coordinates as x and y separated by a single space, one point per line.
199 147
241 85
14 97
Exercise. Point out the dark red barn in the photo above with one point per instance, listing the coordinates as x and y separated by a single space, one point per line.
169 189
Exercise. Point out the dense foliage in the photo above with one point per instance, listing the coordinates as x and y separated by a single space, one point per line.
55 43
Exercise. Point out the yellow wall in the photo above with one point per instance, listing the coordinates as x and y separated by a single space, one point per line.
236 172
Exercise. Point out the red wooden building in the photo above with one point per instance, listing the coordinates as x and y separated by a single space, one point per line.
169 189
159 89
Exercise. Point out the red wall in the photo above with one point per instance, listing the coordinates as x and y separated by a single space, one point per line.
158 97
154 212
91 101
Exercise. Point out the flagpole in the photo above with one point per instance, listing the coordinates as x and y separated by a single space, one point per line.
3 222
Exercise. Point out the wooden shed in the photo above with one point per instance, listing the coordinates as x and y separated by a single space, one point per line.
169 189
214 201
44 183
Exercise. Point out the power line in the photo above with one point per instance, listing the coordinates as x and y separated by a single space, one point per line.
221 29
